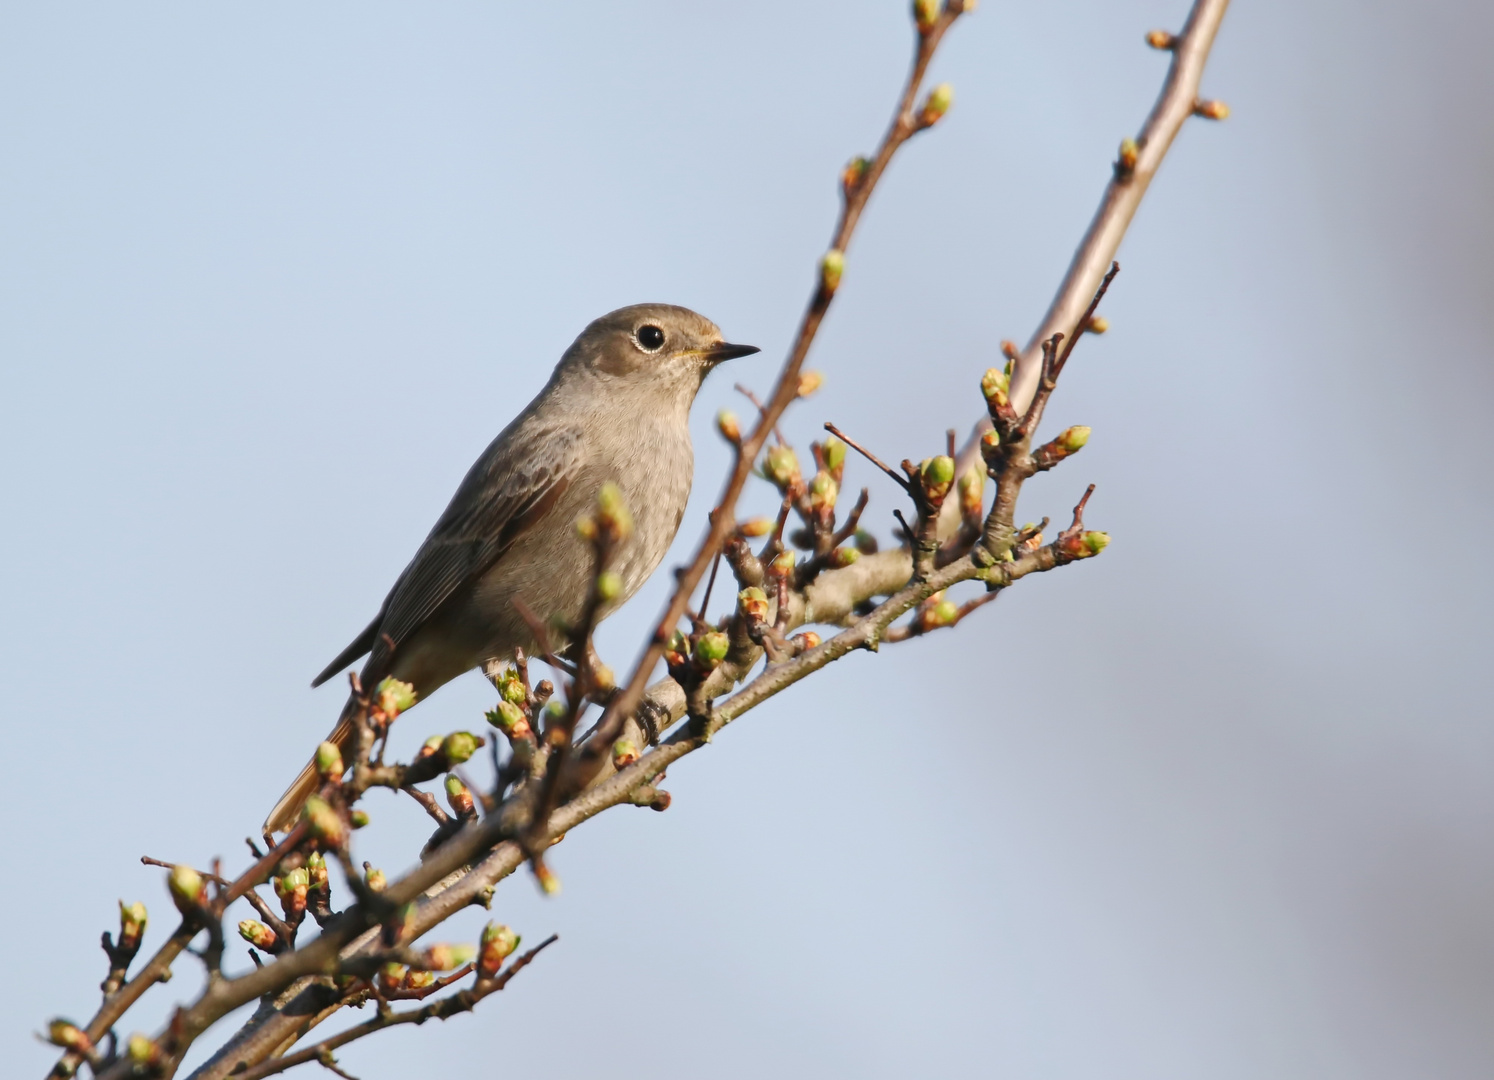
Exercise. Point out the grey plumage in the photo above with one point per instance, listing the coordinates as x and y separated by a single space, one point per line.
615 409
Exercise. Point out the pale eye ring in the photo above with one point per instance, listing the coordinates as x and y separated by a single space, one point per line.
650 338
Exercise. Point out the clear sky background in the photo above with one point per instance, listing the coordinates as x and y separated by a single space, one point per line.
1217 804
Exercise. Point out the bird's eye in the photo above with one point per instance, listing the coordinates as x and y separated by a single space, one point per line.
651 337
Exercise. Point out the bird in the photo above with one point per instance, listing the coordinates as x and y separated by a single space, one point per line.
616 409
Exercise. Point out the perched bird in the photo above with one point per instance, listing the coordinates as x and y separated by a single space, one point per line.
617 409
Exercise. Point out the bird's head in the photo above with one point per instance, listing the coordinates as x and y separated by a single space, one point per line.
658 345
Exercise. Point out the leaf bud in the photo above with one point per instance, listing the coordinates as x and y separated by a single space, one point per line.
445 957
711 649
325 823
946 613
842 557
394 697
609 586
458 797
729 426
755 527
753 603
142 1050
69 1036
329 761
374 878
995 385
1160 39
823 491
865 542
853 174
1129 152
429 747
257 934
417 980
972 492
1073 439
938 475
358 819
1211 110
831 268
613 515
806 641
497 944
1096 324
131 925
676 650
624 753
459 746
781 466
511 720
936 104
809 382
926 14
511 688
1096 542
392 976
188 889
316 871
782 565
292 888
549 884
834 453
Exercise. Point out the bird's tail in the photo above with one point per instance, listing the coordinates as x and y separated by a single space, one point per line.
289 806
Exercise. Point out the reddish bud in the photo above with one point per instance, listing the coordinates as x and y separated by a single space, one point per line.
497 944
258 934
624 753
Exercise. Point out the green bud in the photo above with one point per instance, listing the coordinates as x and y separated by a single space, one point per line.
68 1035
316 871
783 564
549 884
939 470
624 753
132 920
946 612
394 697
497 944
602 675
865 542
359 818
445 957
823 491
831 268
853 173
326 823
995 385
455 787
188 889
753 603
141 1050
373 877
834 453
511 688
612 512
729 426
711 649
755 527
781 466
257 934
1096 542
937 104
554 712
459 746
329 761
510 719
417 980
926 13
844 556
430 746
609 586
1074 438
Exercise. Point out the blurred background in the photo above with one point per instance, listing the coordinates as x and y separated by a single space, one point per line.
1216 804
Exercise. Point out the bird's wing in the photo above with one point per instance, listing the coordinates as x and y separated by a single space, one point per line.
512 486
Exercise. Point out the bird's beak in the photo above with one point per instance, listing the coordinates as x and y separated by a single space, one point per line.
723 350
